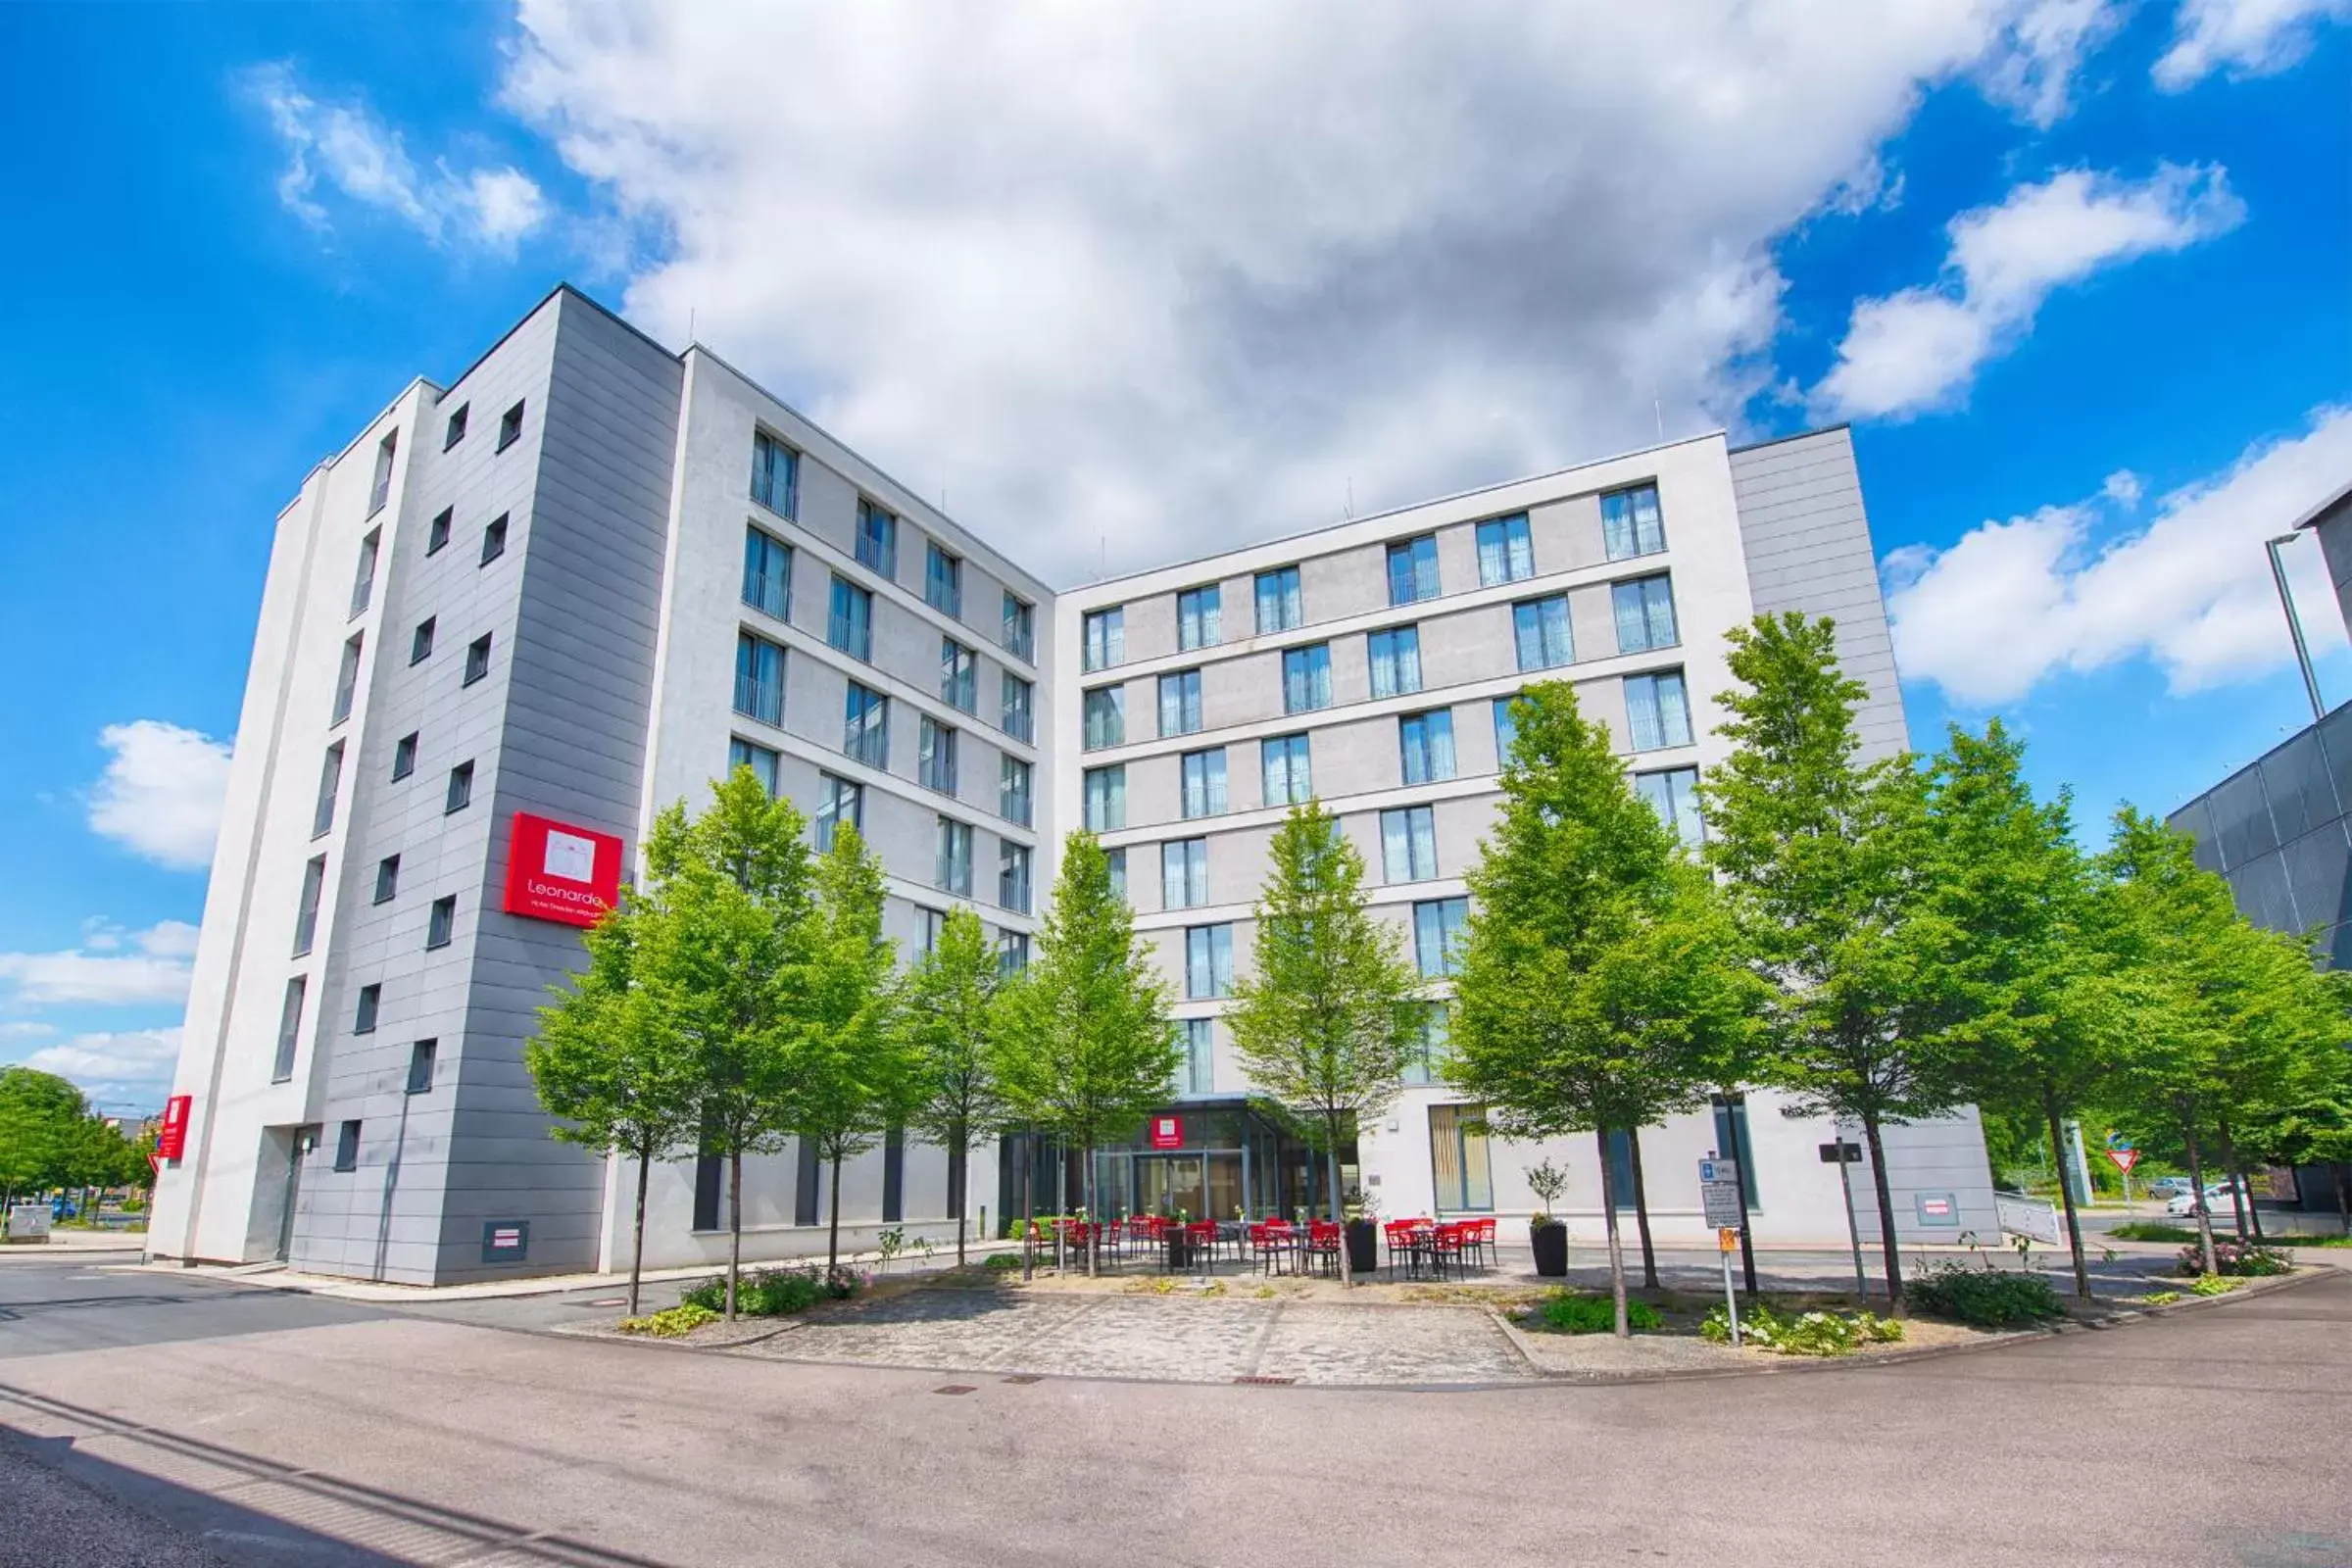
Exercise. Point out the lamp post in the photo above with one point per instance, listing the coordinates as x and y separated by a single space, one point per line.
2294 624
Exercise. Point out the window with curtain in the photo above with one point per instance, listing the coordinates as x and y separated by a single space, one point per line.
1408 843
958 675
1459 1159
955 857
1106 796
866 731
1289 778
1200 617
1539 631
1180 703
767 573
1732 1143
1630 524
1507 731
758 759
1426 740
877 539
1204 782
1193 1075
1184 873
1012 953
943 580
1105 712
1437 935
1012 877
759 679
1013 799
838 801
1106 638
1307 678
1020 708
775 474
1673 793
1657 713
1506 553
1208 961
1645 613
1427 1060
1019 635
1396 658
1116 861
850 619
1413 569
1278 604
935 755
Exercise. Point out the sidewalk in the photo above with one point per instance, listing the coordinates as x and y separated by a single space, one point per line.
78 1242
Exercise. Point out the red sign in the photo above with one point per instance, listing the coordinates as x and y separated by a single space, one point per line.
1167 1132
172 1138
2125 1159
555 872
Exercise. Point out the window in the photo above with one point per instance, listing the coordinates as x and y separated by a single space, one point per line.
762 762
1507 731
1012 791
1426 740
1180 703
775 474
420 1066
1105 791
477 659
1283 760
347 680
1673 795
1012 877
330 776
1184 873
958 675
935 755
1629 523
443 923
1427 1055
877 539
1307 678
305 913
1395 660
372 1001
1012 953
1116 861
1279 606
838 801
1505 553
1621 1168
1192 1077
456 431
866 730
494 539
1656 711
387 878
1106 638
363 580
1438 934
1208 961
767 573
1020 708
759 679
420 641
1732 1143
955 857
1459 1159
894 1175
1105 711
380 490
1408 843
943 581
1413 569
461 789
1540 628
509 428
1204 782
1200 617
289 1029
404 757
1019 635
1645 613
850 622
436 535
347 1147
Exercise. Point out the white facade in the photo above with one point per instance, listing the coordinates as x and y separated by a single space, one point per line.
578 497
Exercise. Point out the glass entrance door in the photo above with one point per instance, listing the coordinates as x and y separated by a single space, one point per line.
1457 1157
1166 1183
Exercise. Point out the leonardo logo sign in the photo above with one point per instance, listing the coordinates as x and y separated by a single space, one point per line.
555 872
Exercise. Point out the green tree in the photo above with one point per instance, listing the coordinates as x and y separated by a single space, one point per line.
1600 984
1330 1014
1084 1043
1826 858
950 1018
848 1071
40 1125
611 1059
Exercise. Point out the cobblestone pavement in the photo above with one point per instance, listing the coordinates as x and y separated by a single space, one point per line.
1167 1341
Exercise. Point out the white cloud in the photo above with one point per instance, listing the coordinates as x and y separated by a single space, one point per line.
2015 602
1141 281
2123 487
161 793
105 979
352 149
2244 37
1920 349
25 1029
105 1066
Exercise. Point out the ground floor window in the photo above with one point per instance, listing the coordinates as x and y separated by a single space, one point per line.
1458 1158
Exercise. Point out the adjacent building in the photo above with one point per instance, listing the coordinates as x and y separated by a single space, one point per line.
522 614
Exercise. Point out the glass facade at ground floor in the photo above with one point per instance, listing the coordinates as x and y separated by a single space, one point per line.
1220 1159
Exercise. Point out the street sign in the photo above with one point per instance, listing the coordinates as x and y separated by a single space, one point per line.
2125 1159
1842 1154
1726 1240
1719 1193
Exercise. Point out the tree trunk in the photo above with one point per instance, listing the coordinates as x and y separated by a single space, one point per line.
2238 1187
1093 1221
1028 1202
833 1222
2196 1178
1608 1209
734 1225
1886 1196
645 1171
2066 1190
960 1155
2343 1193
1338 1216
1649 1258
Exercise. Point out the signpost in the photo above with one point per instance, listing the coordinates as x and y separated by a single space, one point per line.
1842 1154
2125 1158
1726 1210
1727 1242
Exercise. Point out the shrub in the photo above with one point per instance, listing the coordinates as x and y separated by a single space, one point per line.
1985 1297
1002 1262
2211 1285
1807 1334
2240 1259
2140 1230
675 1323
774 1291
1567 1313
2160 1298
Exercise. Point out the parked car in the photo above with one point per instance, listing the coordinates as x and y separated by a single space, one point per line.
2216 1200
2171 1187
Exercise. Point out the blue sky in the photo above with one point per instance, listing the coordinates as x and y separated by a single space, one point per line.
2074 268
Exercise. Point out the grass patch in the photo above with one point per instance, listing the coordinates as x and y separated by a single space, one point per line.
1565 1313
1807 1334
2148 1230
674 1323
2160 1298
2213 1284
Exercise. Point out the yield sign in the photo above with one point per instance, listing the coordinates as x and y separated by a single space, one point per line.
2125 1159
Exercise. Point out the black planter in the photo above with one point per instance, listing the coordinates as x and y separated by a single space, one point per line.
1180 1251
1363 1247
1552 1249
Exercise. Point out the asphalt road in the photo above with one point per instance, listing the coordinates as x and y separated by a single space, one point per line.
314 1432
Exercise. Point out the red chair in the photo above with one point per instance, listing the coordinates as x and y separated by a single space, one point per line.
1324 1239
1444 1244
1202 1236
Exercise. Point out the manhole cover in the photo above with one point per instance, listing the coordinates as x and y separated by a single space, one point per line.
955 1387
1267 1382
1023 1377
608 1300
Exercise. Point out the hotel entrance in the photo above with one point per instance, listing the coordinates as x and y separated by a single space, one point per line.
1229 1162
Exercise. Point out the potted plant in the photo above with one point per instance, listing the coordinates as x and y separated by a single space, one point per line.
1363 1234
1546 1232
1180 1245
